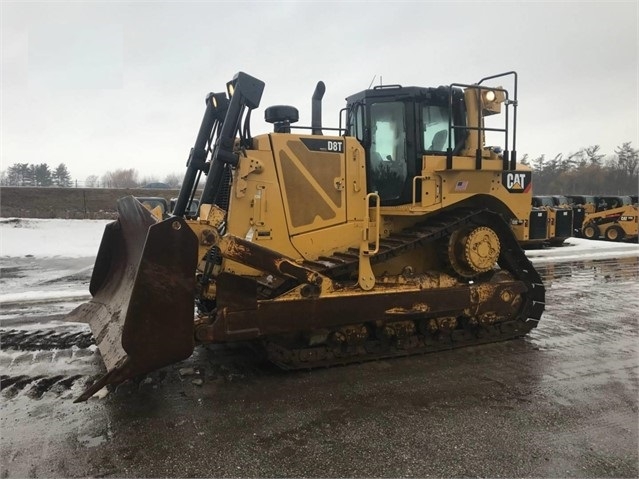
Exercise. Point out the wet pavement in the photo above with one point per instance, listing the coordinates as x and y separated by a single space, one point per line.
562 402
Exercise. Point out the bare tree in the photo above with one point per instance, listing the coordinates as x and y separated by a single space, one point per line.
122 178
593 155
624 166
628 159
91 181
147 180
173 180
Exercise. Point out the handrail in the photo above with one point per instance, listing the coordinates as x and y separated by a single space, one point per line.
509 160
367 221
415 178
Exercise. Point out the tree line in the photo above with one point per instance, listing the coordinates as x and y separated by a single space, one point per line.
25 174
129 178
587 172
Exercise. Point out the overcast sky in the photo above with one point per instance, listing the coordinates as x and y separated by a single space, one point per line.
101 86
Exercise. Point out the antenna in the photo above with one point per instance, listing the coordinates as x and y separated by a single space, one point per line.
371 84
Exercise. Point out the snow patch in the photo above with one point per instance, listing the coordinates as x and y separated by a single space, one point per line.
577 249
43 238
35 296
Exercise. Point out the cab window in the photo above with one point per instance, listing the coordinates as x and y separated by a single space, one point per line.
356 122
435 128
388 149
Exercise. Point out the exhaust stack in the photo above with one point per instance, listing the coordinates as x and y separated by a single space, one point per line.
316 108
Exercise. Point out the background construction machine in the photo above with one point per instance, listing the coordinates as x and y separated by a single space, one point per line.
537 227
559 220
615 219
191 210
609 202
158 206
578 212
396 234
582 205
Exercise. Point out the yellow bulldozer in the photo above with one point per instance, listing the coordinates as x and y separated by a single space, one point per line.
395 233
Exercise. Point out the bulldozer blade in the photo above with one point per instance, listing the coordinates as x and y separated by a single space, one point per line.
143 288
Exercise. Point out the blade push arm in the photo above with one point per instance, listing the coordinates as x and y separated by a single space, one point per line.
245 92
216 107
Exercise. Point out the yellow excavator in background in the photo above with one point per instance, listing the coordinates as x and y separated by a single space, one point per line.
393 234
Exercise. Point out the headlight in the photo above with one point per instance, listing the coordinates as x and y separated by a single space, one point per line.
219 102
491 101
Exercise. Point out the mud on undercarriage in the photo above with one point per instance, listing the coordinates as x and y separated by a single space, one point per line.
407 315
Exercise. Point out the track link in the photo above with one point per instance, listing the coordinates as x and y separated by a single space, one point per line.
373 349
40 340
36 386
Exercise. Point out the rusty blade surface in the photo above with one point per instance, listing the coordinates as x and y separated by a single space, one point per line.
143 284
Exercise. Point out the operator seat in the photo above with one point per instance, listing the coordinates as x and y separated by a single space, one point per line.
439 140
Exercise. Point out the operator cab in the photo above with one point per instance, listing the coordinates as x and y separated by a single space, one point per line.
581 199
397 127
612 202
